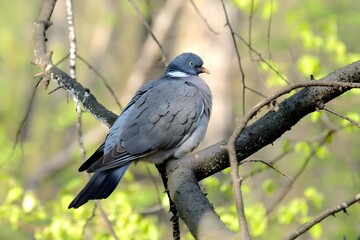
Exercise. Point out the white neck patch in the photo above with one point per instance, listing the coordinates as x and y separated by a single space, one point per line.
178 74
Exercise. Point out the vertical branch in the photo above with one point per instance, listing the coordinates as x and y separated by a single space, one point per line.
72 64
236 185
72 39
238 56
269 34
236 180
250 26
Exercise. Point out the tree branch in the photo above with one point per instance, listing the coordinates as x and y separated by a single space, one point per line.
329 212
42 58
183 176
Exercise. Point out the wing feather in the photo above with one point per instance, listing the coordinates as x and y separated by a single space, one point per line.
160 118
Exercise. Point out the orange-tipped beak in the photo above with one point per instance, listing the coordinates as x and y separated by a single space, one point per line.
204 70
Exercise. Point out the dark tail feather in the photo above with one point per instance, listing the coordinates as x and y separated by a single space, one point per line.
100 186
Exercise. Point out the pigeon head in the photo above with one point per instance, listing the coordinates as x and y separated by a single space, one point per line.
184 65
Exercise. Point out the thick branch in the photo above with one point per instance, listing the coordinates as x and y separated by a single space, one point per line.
193 206
184 174
42 58
273 124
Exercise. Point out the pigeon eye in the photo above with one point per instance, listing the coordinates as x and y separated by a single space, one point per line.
192 64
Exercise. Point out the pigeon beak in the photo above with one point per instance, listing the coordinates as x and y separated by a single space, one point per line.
204 70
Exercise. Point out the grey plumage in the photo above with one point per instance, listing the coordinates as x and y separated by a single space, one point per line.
166 118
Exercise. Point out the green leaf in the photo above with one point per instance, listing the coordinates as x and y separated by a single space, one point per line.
29 202
308 64
268 186
315 116
286 146
316 231
14 195
314 196
256 217
245 5
302 147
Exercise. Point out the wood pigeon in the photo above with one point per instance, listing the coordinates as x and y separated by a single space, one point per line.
167 118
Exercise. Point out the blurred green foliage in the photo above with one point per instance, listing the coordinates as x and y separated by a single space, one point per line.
307 38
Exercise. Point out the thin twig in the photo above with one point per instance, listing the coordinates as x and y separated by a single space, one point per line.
88 221
269 32
352 121
148 28
297 175
236 180
320 217
106 218
236 185
261 58
25 119
267 164
42 58
237 54
72 63
253 112
271 162
288 89
107 85
52 91
250 26
203 18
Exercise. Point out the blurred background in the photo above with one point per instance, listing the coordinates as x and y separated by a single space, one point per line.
290 40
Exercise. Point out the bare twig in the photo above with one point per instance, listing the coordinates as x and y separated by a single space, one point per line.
269 32
231 143
102 79
236 185
25 119
161 25
52 91
203 18
271 162
72 63
237 54
352 121
236 180
250 26
97 73
329 212
267 164
42 58
88 221
298 174
287 89
261 58
148 28
107 220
